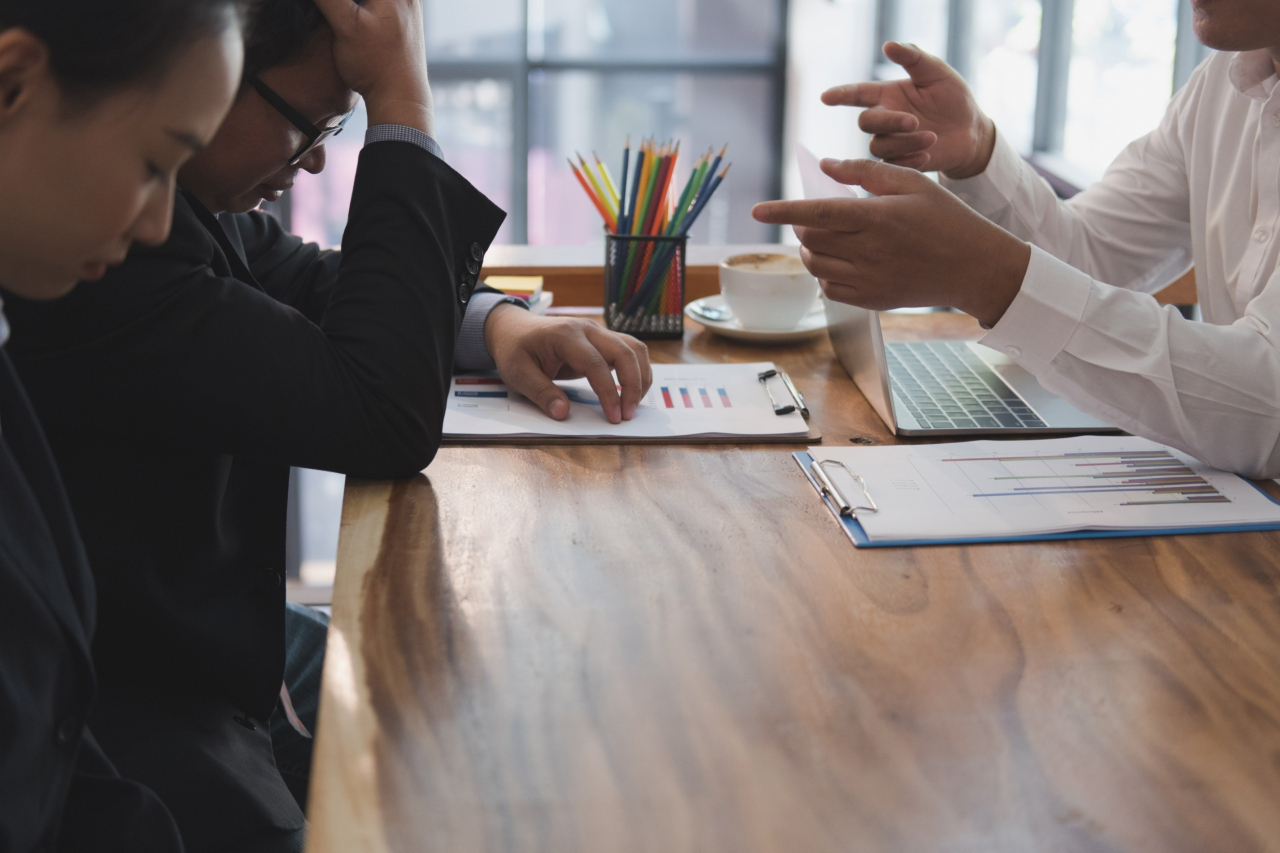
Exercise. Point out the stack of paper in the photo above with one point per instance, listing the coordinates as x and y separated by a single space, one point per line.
686 401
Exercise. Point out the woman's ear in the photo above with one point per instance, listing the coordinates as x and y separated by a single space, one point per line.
24 62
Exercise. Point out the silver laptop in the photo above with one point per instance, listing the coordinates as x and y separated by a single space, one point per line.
946 387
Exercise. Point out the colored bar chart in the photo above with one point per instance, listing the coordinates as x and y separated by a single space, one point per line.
1152 477
689 397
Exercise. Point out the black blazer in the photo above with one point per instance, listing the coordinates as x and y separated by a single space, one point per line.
51 770
176 394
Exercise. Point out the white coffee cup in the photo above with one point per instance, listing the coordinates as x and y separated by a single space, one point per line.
767 292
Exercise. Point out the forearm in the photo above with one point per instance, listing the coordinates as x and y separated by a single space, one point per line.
1212 391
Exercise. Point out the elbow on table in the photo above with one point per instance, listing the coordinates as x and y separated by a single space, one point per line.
1257 458
395 457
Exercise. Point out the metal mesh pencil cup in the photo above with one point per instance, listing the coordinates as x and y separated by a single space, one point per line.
644 285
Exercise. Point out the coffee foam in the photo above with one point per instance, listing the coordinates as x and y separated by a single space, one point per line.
767 263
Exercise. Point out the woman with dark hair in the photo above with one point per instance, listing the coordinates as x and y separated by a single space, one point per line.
100 103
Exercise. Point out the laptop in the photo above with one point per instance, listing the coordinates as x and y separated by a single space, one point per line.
937 387
947 387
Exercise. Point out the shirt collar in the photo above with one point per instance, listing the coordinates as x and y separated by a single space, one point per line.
1253 75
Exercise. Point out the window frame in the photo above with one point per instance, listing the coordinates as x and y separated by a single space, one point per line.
520 71
1054 59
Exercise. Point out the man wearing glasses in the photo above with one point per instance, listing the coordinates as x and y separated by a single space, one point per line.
179 390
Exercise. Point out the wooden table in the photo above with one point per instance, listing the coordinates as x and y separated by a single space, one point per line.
603 648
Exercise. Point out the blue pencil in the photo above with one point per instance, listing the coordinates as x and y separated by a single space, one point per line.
657 269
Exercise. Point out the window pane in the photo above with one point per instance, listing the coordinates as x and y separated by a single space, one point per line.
581 111
473 126
1003 65
1121 76
476 29
922 23
653 30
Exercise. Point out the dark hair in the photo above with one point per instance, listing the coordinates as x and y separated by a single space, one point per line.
278 31
96 46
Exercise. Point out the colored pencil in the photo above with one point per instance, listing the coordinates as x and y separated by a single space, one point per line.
604 213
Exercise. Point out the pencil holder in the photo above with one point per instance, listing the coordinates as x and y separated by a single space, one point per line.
644 285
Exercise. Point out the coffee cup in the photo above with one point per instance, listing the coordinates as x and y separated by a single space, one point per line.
767 292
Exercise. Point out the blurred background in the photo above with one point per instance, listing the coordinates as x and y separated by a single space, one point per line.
522 84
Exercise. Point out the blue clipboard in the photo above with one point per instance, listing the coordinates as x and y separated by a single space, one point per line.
859 538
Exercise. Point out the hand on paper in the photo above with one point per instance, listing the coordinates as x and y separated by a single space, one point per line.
929 122
914 244
532 351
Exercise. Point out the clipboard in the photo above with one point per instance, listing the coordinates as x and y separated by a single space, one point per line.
848 521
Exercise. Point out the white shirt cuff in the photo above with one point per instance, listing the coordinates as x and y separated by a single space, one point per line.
993 188
1044 315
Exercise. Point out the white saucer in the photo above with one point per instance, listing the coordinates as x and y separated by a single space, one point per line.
813 324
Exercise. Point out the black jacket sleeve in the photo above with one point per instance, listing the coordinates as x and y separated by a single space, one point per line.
182 352
291 270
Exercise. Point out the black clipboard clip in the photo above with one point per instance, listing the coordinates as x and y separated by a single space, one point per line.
791 389
829 490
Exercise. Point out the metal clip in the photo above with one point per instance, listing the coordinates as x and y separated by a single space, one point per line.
791 389
846 509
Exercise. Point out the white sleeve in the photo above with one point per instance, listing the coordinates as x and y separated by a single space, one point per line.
1212 391
1131 229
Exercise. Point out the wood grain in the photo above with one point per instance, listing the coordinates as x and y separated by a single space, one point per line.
675 649
575 274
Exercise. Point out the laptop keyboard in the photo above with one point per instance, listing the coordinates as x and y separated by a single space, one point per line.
946 386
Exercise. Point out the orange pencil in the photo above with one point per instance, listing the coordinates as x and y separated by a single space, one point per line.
604 212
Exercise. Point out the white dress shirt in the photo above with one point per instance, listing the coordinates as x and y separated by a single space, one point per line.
1203 188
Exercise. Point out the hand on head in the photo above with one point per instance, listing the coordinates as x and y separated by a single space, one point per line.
380 51
929 121
914 244
532 351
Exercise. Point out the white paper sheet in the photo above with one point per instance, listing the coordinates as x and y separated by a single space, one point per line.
817 183
685 400
979 489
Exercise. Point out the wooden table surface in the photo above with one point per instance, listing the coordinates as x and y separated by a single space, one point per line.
612 648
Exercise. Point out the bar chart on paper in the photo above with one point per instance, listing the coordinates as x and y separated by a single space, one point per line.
993 489
1118 477
685 400
690 398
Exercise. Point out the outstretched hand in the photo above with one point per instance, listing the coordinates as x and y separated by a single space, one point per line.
913 244
929 121
532 351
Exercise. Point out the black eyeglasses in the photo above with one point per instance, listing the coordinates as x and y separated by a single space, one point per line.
315 136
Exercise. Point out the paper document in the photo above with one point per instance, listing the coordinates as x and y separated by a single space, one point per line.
817 183
685 400
991 489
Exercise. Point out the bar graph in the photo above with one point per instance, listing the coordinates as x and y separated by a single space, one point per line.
686 397
1137 478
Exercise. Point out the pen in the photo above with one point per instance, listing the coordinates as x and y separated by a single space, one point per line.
795 393
829 489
